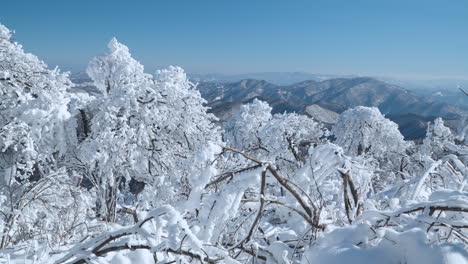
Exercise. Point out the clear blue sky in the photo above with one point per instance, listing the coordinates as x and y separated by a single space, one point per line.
375 37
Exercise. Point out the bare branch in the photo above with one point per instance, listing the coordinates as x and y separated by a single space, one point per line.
463 91
130 212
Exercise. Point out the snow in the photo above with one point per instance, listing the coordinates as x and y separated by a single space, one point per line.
407 247
265 189
321 114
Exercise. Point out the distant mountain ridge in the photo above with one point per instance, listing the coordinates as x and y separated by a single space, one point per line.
278 78
335 95
440 89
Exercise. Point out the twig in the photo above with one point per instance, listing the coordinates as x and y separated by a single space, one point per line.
130 212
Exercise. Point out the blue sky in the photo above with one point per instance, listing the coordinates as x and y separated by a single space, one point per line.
420 39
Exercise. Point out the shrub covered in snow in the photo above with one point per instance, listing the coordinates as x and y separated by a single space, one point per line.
364 130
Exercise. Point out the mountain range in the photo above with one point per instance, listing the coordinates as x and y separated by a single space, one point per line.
410 110
439 89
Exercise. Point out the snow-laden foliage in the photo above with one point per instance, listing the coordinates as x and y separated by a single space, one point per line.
143 128
117 73
437 137
365 133
282 138
242 129
32 96
462 131
363 130
138 173
37 198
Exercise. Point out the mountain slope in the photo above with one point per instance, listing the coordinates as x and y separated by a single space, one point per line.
334 94
410 110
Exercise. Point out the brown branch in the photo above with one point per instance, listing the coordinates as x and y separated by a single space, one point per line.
192 255
115 248
96 251
250 252
122 247
346 199
351 186
133 247
434 208
108 240
130 212
243 154
307 218
145 102
227 175
260 211
305 193
285 184
291 147
348 184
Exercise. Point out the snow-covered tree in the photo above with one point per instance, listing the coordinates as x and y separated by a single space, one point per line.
143 128
35 191
363 130
33 96
282 138
444 162
436 140
242 129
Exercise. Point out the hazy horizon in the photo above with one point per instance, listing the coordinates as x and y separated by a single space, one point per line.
400 39
337 75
